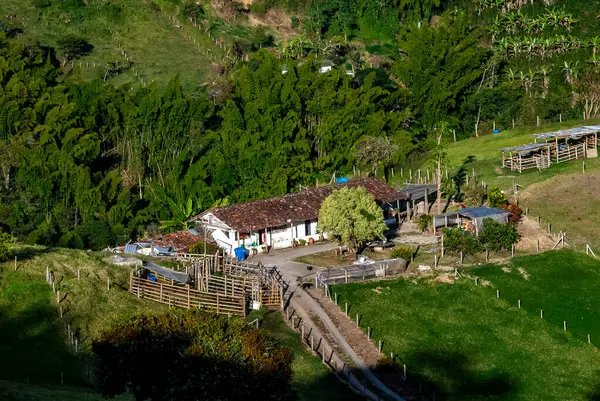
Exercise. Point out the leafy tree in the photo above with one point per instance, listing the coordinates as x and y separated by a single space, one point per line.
496 236
181 214
192 355
425 220
374 153
402 252
352 216
72 46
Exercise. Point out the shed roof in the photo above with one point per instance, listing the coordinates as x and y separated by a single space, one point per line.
525 148
295 206
417 191
180 241
573 133
167 273
476 212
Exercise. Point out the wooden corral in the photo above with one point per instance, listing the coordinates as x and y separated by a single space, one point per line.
212 282
572 144
186 297
525 157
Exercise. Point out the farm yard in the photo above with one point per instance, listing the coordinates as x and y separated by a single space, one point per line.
461 342
37 356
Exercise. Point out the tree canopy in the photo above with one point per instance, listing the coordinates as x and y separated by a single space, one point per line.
352 216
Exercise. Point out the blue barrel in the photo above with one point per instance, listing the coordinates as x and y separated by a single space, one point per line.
240 253
496 131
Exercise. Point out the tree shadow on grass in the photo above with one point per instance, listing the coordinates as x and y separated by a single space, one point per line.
456 378
595 394
33 348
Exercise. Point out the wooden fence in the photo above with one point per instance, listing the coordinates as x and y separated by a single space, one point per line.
186 297
348 274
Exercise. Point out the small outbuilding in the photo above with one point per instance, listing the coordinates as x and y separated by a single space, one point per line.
471 218
572 144
524 157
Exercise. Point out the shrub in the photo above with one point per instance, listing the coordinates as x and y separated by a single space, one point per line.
473 195
401 252
5 241
41 3
496 236
302 242
425 220
516 213
295 22
198 248
96 234
192 355
457 240
496 198
71 240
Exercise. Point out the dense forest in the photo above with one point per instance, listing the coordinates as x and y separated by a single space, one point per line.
89 163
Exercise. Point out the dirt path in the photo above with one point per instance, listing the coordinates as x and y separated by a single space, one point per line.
530 234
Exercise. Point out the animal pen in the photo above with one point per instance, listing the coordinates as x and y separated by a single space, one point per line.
470 219
524 157
211 282
572 144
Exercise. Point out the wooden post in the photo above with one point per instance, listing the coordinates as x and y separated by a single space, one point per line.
541 314
218 309
404 372
565 325
549 229
78 274
58 297
435 261
538 245
589 339
312 342
357 320
512 250
108 284
497 293
15 263
188 296
538 221
346 308
442 250
346 276
519 303
379 347
368 333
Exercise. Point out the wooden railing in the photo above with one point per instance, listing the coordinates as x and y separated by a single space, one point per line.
186 297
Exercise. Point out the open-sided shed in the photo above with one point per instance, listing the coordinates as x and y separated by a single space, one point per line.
572 144
524 157
471 218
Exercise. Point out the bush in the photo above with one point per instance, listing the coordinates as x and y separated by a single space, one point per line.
516 213
496 236
473 195
41 3
302 242
96 234
457 240
43 235
71 240
5 241
192 355
401 252
295 22
425 221
198 248
496 198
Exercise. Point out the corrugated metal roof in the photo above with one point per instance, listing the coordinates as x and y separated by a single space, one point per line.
525 148
573 133
478 212
131 248
417 191
167 273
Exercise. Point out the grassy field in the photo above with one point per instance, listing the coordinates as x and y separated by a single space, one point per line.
35 353
312 380
159 49
463 343
564 284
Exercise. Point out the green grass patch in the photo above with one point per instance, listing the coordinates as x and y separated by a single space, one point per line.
311 380
564 284
160 50
463 343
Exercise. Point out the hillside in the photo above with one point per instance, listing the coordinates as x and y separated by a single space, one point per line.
39 363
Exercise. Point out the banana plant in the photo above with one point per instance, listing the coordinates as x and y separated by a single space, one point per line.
181 214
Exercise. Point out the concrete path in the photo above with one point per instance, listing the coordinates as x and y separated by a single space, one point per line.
284 260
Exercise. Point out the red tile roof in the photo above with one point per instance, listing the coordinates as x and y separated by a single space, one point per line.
295 206
180 240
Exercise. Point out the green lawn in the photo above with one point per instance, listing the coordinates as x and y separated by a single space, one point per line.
463 343
564 284
159 49
312 380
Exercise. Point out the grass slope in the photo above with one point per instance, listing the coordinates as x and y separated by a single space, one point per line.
159 49
488 160
33 340
464 344
564 284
